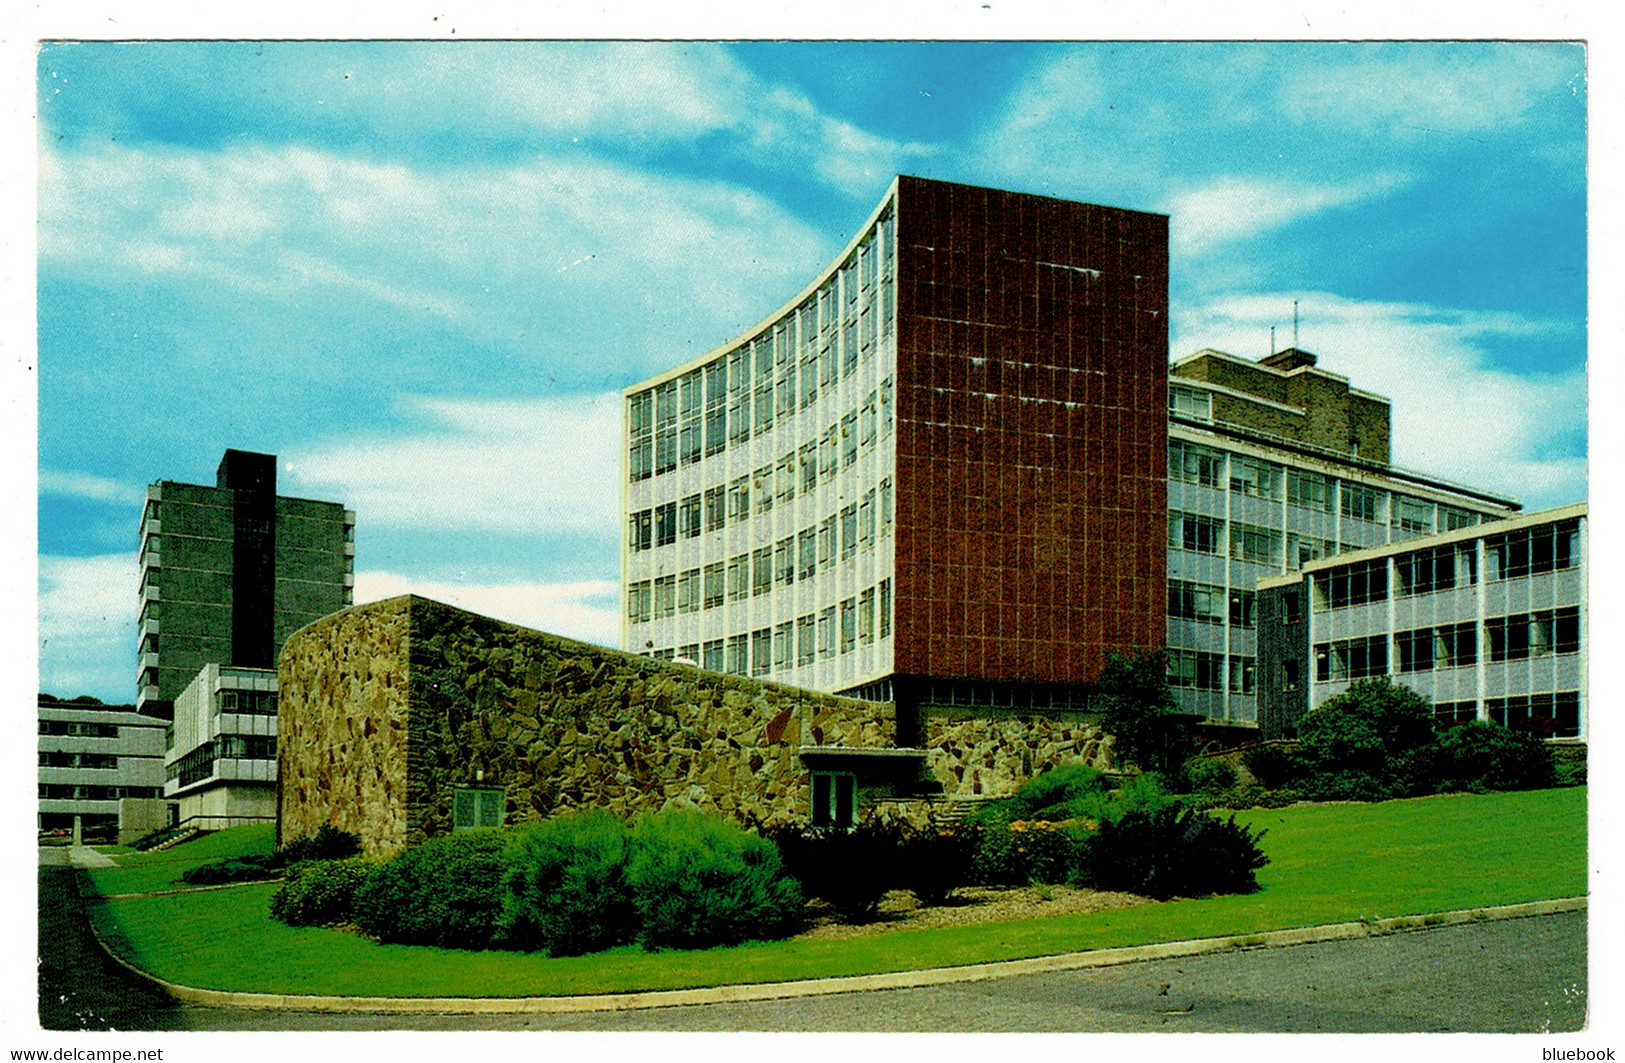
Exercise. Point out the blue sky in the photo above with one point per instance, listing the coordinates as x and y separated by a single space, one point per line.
420 273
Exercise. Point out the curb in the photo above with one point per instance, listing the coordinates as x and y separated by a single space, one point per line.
665 998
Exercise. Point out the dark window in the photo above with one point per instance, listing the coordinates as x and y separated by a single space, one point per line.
477 806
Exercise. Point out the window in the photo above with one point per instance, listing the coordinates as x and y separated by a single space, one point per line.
1202 602
738 654
1243 671
1195 669
826 633
739 578
807 456
691 436
1427 648
826 543
1542 715
762 489
689 652
665 427
761 652
713 585
1351 659
1452 519
1454 714
866 423
1412 515
716 508
1243 604
1188 402
807 551
849 625
1439 569
849 531
1257 479
1289 675
640 431
688 591
834 799
849 439
1194 464
806 641
1358 503
885 608
885 507
688 517
1538 634
711 656
761 571
866 520
666 524
1355 584
784 562
1308 490
785 478
1188 531
665 597
739 500
1527 551
640 531
783 642
639 598
828 453
1291 607
1302 549
866 617
473 807
716 407
885 407
1249 542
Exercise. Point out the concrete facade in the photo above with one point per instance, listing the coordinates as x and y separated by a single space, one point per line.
91 758
228 572
405 719
220 765
1487 622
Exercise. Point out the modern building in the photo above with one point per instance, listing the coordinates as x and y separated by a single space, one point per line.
1487 622
937 474
934 476
1271 466
92 759
220 761
228 572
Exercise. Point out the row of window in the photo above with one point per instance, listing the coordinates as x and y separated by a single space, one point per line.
78 730
199 763
1198 534
1555 715
754 494
1517 637
1210 604
856 621
842 535
94 761
1199 670
1525 552
793 361
247 702
65 792
1257 478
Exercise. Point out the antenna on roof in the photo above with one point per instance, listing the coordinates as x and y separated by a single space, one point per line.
1294 324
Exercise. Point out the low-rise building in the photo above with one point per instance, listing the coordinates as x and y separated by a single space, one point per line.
93 757
1487 622
220 764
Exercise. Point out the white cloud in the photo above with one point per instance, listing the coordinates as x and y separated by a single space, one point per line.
1235 208
84 485
587 610
87 610
1455 414
1445 88
531 466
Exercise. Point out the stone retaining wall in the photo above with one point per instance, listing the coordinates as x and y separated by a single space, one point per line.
991 753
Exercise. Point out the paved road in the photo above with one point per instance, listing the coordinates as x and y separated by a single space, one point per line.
1518 975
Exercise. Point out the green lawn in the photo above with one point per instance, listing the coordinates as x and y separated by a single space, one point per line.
145 872
1329 863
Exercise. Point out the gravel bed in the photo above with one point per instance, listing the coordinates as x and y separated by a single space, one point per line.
974 904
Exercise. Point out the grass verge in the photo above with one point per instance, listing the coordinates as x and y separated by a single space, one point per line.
145 872
1329 864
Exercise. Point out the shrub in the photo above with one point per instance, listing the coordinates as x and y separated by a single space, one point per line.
234 869
1173 852
1354 747
1204 775
1014 852
1066 791
328 843
1272 766
935 861
850 870
1487 756
445 892
565 886
698 881
320 893
1571 773
156 838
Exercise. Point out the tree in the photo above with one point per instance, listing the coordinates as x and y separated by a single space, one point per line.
1147 728
1368 743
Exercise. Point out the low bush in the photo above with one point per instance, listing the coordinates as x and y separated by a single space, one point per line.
320 892
1571 772
445 892
328 843
698 881
1272 766
1015 852
1067 791
850 870
156 838
1172 852
1204 775
235 869
565 887
1481 756
935 861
